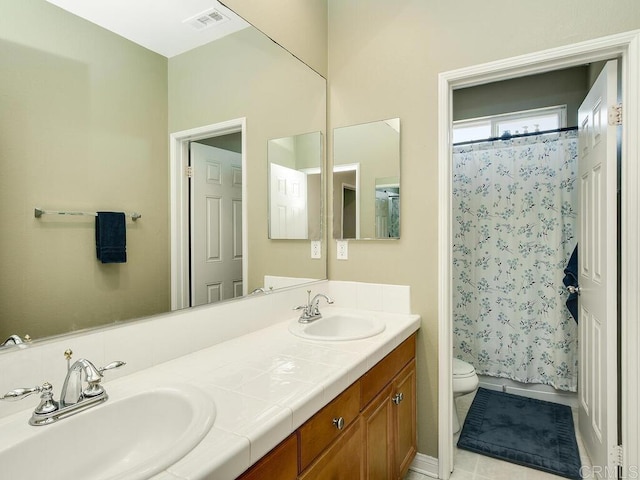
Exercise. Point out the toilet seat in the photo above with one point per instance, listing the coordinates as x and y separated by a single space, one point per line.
465 381
462 369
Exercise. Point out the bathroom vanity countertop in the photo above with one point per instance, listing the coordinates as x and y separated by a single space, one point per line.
264 385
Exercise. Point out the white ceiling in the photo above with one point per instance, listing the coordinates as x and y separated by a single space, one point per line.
158 25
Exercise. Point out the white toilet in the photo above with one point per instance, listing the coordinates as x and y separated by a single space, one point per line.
465 380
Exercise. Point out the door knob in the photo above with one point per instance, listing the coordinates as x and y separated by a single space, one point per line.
339 423
397 398
574 289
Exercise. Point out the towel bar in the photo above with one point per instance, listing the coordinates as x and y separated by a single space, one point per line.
38 212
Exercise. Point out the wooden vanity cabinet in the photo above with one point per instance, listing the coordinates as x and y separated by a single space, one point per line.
390 418
404 419
366 432
281 463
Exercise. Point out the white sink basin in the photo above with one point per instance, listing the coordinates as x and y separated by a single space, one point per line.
131 438
338 327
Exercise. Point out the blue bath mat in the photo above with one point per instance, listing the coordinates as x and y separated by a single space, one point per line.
529 432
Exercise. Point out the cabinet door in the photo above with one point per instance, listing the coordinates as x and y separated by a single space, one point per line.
377 425
403 399
342 460
281 463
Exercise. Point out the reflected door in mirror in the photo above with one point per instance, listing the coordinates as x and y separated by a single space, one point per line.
295 187
288 201
216 224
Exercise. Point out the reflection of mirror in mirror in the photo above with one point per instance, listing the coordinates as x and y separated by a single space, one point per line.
295 187
84 128
366 181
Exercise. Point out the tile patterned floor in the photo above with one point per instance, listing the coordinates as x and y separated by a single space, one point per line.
473 466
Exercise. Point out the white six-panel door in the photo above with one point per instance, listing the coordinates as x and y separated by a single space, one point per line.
597 326
216 224
288 216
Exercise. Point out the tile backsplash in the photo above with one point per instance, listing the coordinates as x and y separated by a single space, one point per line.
154 340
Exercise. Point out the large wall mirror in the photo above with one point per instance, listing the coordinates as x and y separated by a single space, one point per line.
87 117
295 187
366 181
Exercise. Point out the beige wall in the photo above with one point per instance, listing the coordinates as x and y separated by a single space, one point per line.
231 142
300 26
384 62
83 117
279 97
562 87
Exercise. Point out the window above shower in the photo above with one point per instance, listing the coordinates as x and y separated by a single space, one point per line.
513 123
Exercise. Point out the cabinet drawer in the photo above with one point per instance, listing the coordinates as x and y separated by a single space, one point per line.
320 430
279 464
383 372
342 461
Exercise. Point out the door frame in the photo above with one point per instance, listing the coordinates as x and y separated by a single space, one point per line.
625 46
179 197
350 167
345 187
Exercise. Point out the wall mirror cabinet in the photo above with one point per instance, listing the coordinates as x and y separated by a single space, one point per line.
366 181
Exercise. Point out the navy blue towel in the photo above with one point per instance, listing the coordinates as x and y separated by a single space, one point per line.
111 237
571 278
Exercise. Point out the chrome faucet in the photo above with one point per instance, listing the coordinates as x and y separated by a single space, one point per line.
73 397
72 391
12 340
311 311
16 340
255 291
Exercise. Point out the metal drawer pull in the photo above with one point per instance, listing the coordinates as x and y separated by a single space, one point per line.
339 423
397 398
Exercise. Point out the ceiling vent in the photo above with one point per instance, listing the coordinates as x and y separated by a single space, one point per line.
206 19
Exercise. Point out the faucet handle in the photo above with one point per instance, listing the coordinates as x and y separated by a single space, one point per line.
306 310
112 365
46 405
20 393
94 388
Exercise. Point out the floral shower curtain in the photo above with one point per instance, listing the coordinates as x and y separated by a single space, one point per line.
514 228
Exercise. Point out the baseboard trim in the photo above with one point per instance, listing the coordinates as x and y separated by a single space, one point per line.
425 465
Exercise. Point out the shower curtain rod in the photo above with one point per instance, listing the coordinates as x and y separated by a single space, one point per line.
519 135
